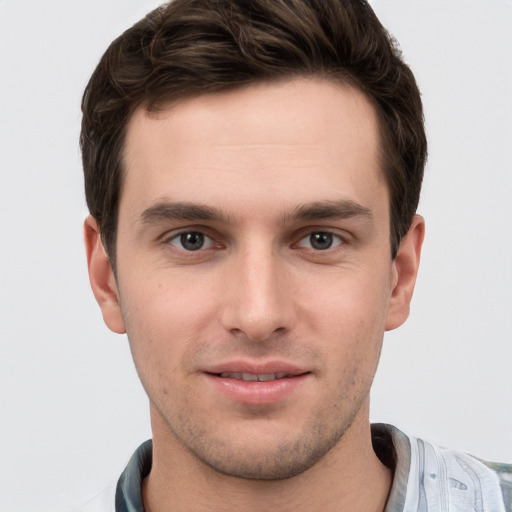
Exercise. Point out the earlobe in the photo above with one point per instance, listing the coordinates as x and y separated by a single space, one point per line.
405 271
102 278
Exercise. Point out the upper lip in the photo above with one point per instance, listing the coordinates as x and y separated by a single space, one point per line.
256 368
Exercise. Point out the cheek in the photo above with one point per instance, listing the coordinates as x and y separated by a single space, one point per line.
162 323
165 305
353 301
349 321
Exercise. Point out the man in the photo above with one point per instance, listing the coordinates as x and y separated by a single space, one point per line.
252 171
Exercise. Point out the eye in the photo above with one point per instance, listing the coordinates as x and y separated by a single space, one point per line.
191 241
320 241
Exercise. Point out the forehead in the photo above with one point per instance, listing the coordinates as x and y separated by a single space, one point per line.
284 140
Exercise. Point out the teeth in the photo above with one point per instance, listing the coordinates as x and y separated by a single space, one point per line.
231 375
267 376
262 377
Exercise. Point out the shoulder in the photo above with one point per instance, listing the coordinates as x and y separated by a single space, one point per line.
431 478
463 478
504 474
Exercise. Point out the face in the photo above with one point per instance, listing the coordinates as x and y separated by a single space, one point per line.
254 276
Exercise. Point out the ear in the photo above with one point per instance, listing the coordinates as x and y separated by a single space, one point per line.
101 277
404 272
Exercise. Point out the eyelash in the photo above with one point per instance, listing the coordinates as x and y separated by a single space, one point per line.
335 239
180 238
329 234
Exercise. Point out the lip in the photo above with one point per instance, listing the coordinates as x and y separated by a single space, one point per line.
256 367
256 392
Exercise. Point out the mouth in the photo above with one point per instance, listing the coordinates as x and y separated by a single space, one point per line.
258 386
254 377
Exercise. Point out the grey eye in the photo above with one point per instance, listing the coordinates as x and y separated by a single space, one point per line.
320 241
191 241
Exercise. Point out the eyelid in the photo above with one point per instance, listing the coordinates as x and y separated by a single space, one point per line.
335 230
336 236
208 241
211 241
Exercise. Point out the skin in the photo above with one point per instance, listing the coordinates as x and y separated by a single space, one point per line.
283 183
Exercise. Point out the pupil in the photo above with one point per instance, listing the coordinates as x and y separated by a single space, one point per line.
192 241
321 241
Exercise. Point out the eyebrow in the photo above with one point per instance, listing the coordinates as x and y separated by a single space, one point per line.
318 210
341 209
165 211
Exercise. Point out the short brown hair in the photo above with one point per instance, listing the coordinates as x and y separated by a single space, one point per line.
191 47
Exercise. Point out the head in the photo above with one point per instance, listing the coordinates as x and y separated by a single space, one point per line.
253 169
192 47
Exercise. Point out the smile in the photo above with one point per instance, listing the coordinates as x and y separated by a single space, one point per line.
260 377
260 386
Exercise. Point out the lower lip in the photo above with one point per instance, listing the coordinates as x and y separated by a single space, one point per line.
256 392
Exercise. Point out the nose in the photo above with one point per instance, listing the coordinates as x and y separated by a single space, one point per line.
258 295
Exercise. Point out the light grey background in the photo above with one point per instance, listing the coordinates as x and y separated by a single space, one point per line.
71 408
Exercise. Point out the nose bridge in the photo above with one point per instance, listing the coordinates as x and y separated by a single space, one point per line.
258 304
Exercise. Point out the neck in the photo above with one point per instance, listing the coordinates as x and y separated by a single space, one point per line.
348 477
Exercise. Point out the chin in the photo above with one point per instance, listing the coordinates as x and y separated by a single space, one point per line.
268 459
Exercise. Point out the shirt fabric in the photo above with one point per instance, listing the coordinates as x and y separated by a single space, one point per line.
427 478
